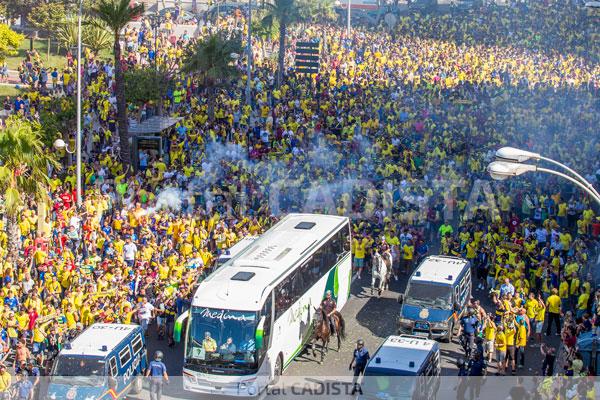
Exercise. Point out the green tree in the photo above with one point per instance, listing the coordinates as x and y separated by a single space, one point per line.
9 42
23 171
212 60
145 84
96 37
48 17
18 8
66 32
286 12
115 15
318 11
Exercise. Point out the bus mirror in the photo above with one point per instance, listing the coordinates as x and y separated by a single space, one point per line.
400 298
260 332
179 326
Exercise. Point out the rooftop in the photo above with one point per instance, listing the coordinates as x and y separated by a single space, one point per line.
91 340
439 269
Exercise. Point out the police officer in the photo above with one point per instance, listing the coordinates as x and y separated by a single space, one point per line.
470 327
330 307
360 358
157 371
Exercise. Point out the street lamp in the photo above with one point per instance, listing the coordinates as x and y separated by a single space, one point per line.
501 170
78 140
512 154
249 51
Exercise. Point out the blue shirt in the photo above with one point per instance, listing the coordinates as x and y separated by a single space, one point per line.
469 324
157 369
24 388
361 356
504 289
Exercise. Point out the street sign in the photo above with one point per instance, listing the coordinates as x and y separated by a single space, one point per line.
308 57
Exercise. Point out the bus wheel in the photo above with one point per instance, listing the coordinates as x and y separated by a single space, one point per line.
137 385
278 369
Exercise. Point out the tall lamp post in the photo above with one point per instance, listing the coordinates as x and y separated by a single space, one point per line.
249 51
78 139
155 22
510 162
349 18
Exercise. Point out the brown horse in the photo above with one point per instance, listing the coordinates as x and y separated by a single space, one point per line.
323 331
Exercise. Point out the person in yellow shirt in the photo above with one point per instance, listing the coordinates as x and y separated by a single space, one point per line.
359 245
500 344
582 303
5 379
489 336
510 331
554 310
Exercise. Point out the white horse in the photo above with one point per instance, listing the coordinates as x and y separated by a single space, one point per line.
381 269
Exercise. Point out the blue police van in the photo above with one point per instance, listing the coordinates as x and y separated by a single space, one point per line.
437 291
403 367
106 361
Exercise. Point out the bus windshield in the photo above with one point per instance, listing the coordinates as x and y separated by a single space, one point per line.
78 370
427 294
222 338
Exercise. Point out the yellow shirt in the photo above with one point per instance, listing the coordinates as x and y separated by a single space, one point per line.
522 336
553 304
501 341
510 336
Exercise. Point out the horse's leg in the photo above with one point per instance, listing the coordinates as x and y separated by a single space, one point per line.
372 282
338 337
312 345
322 350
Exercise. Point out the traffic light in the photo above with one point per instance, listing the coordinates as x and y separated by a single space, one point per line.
307 57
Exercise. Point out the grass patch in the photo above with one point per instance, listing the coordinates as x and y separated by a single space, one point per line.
41 45
58 60
10 90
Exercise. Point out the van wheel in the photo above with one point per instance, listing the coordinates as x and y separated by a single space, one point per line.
137 385
278 369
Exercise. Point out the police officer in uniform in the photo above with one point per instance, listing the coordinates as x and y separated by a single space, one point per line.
157 371
360 358
330 307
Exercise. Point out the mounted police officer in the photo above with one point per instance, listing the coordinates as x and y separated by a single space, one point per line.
330 307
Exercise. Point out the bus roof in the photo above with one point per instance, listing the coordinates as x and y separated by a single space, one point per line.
403 353
90 341
439 269
237 247
243 283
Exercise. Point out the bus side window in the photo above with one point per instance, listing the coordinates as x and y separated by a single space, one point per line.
283 297
346 242
266 312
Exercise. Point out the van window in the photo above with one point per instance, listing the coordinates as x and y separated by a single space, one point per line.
137 344
124 356
112 366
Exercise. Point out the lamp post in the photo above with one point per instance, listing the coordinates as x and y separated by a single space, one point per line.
501 170
349 18
59 145
78 139
155 21
249 51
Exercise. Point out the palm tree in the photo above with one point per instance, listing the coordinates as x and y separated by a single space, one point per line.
213 59
115 15
286 12
96 37
24 164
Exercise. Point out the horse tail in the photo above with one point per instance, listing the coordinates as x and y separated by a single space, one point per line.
342 326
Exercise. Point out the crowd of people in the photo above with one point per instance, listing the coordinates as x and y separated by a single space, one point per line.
396 130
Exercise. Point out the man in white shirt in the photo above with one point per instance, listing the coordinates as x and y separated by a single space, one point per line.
129 252
145 312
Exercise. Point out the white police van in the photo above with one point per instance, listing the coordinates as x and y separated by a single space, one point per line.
106 361
234 250
406 367
436 292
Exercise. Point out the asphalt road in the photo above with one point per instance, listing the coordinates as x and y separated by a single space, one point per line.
367 317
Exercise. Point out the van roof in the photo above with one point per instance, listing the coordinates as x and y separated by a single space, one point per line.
403 353
439 269
90 341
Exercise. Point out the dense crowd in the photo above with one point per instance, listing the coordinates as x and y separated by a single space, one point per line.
396 130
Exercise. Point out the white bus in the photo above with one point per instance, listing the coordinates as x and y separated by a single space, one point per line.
250 319
234 250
